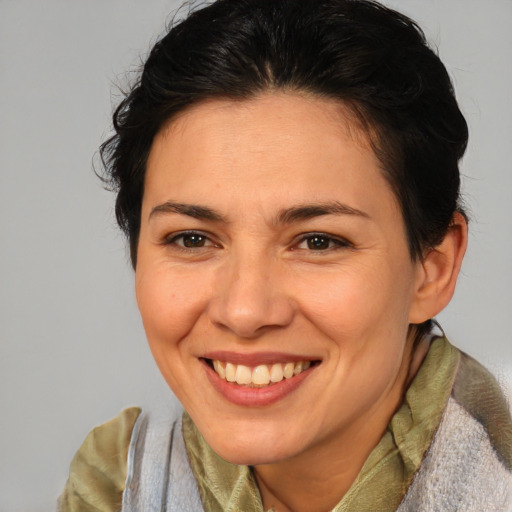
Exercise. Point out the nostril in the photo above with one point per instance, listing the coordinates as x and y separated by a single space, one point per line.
248 315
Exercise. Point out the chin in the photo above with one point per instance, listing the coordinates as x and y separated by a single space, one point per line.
252 449
250 455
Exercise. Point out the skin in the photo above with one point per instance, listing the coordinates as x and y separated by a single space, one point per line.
255 283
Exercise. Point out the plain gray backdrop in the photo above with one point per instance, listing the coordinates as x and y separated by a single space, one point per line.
73 352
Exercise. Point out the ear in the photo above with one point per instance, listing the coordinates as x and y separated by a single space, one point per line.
438 272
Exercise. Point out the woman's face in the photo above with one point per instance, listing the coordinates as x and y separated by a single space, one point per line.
271 246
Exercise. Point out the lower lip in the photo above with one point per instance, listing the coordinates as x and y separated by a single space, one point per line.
256 397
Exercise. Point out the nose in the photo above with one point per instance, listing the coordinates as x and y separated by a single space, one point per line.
251 297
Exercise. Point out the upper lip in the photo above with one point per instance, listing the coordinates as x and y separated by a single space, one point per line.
258 358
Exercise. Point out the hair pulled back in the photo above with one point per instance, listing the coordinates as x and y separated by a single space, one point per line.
369 57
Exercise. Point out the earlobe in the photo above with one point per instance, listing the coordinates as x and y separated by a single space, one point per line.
438 272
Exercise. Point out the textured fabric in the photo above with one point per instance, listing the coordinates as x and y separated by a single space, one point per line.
224 487
388 471
461 472
468 466
159 476
98 470
480 394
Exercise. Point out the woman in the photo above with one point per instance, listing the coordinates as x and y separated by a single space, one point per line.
287 176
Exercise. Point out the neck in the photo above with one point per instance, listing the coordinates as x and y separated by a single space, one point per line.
316 480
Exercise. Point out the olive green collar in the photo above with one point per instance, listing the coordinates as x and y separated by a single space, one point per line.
386 474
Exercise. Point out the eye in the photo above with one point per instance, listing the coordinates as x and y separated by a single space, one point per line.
193 240
321 242
189 240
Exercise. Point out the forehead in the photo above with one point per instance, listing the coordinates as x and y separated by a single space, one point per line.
275 145
290 113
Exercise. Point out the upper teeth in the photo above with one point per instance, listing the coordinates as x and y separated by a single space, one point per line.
261 375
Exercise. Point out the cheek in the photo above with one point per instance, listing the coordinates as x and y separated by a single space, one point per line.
169 303
353 301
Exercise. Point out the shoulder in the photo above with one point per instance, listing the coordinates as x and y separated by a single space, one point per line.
98 470
477 391
469 463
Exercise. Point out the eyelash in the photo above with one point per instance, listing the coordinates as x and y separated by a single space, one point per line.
334 243
174 237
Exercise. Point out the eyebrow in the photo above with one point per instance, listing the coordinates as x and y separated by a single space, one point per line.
285 216
191 210
309 211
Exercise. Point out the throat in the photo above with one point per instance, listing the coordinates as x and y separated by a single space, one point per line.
311 488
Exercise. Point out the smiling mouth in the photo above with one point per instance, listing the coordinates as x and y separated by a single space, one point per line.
260 376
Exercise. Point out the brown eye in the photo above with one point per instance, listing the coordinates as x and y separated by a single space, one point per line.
193 240
188 240
321 242
318 243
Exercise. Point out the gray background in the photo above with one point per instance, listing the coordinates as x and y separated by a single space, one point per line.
73 351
